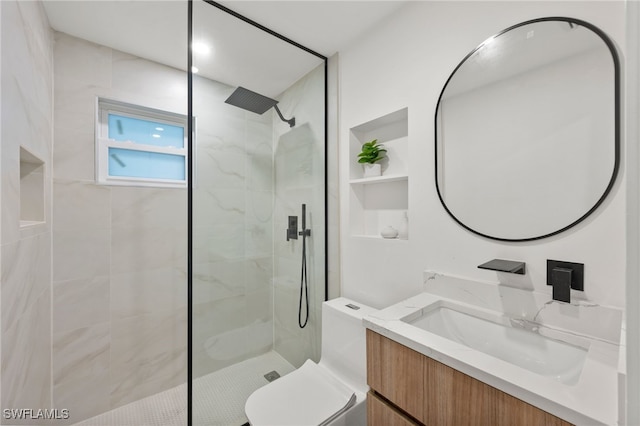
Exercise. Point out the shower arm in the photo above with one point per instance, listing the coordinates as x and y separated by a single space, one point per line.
291 121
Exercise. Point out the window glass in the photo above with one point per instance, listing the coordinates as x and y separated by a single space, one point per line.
140 146
144 164
123 128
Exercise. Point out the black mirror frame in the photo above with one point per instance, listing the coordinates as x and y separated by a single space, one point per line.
616 167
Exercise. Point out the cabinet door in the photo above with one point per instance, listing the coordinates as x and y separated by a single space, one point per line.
396 372
438 395
381 413
512 411
453 398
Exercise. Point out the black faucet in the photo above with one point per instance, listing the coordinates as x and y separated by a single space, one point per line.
502 265
564 276
561 282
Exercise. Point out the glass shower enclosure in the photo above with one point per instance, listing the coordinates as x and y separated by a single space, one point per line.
257 263
128 293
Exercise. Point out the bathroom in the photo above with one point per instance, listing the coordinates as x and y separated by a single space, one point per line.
399 64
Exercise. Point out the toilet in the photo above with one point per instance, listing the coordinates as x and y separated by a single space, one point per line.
331 392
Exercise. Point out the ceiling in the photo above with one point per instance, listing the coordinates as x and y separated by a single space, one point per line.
324 26
241 54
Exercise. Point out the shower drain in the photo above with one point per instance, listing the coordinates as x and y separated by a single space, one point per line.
272 375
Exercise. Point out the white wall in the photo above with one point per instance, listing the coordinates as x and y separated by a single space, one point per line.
632 128
405 63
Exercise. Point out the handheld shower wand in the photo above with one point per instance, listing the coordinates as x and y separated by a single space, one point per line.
292 234
304 283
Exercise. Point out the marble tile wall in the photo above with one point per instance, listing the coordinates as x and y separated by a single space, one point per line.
94 300
119 253
299 178
233 254
25 262
333 183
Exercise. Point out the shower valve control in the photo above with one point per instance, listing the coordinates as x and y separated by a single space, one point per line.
292 230
305 232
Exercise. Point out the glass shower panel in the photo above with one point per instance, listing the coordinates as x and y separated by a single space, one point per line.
298 161
251 172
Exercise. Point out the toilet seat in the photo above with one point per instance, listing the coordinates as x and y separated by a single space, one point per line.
310 395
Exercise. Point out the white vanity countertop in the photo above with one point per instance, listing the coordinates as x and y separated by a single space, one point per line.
592 400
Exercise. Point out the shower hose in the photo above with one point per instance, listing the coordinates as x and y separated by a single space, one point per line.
304 287
304 284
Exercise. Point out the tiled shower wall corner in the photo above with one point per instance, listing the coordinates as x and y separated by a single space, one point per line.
119 253
232 221
299 178
26 120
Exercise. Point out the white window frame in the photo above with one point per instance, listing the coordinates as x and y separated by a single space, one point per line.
103 143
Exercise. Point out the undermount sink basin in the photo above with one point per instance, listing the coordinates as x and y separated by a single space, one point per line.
515 341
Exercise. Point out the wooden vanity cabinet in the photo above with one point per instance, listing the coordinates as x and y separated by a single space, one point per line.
408 388
381 412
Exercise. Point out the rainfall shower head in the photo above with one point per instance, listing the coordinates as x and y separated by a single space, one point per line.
251 101
255 102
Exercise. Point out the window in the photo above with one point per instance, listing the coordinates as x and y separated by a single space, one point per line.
140 146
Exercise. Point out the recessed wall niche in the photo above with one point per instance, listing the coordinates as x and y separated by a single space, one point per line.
381 201
31 189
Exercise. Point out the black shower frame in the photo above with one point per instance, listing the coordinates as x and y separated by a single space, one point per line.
190 130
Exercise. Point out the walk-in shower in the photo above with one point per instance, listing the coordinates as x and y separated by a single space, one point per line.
146 274
256 291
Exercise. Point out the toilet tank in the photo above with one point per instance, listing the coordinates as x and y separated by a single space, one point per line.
343 340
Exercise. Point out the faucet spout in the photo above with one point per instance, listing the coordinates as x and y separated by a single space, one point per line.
561 282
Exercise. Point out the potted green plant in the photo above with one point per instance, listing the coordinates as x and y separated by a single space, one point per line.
372 152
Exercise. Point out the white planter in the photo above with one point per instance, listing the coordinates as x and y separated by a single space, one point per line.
372 170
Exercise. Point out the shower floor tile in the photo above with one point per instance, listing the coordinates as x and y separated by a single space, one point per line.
218 398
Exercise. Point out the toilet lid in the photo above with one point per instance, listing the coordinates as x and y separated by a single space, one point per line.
308 396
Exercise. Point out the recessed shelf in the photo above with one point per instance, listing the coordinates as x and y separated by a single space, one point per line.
378 237
378 179
31 189
381 201
28 223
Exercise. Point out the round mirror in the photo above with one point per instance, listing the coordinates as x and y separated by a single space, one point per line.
527 130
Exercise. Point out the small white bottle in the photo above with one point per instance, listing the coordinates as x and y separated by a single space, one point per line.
403 230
